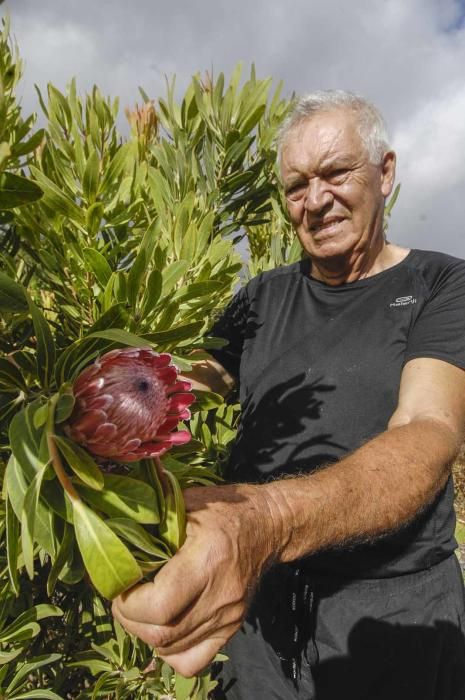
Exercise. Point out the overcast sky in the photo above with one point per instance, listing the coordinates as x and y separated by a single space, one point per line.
408 56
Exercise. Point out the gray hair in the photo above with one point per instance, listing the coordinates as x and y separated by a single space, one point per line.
371 125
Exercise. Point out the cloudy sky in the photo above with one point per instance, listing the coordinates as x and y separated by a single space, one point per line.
408 56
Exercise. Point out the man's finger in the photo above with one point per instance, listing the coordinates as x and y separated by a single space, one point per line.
161 602
192 661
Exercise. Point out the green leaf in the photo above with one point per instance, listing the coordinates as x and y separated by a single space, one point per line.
198 289
173 527
12 295
118 335
12 545
152 292
123 496
16 486
174 335
64 555
206 400
56 199
25 440
184 686
28 519
136 276
7 656
135 534
80 462
39 694
172 274
121 159
28 618
45 345
110 565
91 177
115 316
64 406
99 266
28 668
94 216
10 375
16 191
22 149
41 415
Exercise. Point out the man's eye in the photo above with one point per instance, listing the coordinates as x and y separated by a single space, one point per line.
337 174
295 191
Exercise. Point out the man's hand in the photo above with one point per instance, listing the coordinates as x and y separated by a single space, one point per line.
199 599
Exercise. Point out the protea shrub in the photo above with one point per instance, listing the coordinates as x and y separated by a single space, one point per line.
128 404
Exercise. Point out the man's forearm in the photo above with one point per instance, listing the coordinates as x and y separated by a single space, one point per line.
377 489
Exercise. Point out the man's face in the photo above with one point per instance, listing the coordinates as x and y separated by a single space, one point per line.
334 195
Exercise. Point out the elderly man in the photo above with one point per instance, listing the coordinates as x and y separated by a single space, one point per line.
329 562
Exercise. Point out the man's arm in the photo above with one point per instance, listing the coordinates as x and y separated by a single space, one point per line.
234 532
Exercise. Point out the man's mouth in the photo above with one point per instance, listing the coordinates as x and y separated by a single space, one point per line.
327 225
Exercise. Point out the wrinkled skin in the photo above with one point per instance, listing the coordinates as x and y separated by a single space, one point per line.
335 197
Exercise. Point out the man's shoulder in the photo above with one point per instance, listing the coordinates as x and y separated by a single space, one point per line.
425 258
435 266
282 274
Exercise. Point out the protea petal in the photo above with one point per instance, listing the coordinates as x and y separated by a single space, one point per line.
89 421
180 385
169 424
105 431
129 402
103 402
179 438
168 374
179 402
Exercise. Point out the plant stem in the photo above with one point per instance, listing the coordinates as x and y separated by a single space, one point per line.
55 456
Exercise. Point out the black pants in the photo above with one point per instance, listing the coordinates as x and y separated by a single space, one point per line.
400 638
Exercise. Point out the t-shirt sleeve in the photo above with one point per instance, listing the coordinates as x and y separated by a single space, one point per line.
231 326
439 330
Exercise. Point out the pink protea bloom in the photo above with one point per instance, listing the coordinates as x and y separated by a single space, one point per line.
128 404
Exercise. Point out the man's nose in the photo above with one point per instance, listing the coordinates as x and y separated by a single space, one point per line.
317 196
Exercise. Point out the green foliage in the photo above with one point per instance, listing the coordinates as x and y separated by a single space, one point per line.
108 241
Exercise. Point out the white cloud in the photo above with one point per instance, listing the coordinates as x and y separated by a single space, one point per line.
405 55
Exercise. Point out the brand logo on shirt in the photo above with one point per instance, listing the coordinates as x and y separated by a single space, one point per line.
403 301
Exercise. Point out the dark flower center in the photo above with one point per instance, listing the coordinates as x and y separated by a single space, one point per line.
143 385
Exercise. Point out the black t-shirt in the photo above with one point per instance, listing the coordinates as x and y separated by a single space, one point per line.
319 369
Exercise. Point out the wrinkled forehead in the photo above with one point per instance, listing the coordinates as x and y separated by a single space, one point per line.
323 137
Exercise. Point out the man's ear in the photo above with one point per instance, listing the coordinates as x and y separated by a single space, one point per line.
388 172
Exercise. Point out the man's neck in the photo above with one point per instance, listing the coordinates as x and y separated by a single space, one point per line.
361 265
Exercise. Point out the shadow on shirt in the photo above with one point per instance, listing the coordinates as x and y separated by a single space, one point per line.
278 432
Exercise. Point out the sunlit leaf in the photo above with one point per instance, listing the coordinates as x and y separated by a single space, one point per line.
80 462
16 191
110 565
123 496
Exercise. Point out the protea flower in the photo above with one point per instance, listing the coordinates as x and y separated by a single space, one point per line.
128 404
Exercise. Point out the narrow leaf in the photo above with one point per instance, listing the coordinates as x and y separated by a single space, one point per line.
80 462
16 191
45 345
64 554
12 295
110 565
12 545
99 266
123 496
28 518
